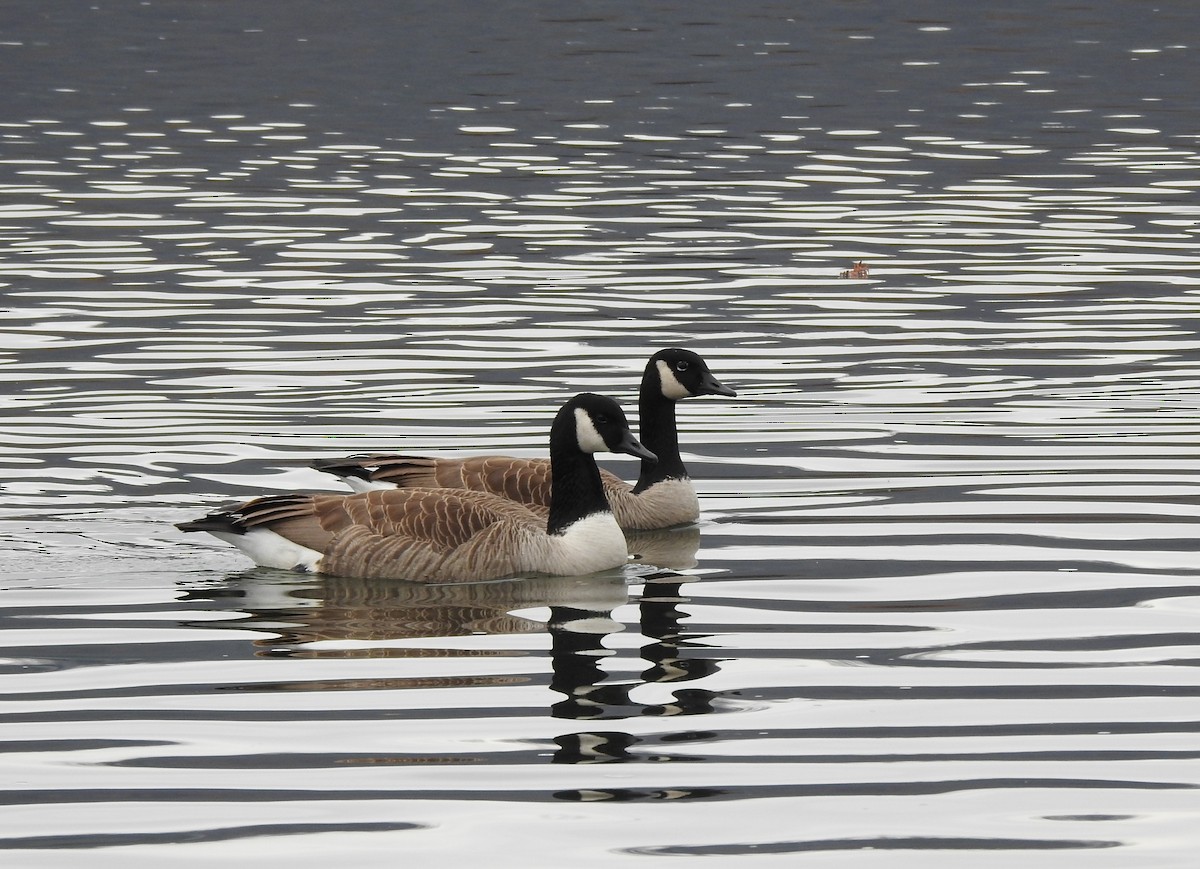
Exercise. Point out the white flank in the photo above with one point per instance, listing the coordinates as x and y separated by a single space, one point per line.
585 433
268 549
592 544
671 387
359 485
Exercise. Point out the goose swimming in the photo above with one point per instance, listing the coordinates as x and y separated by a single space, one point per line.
449 535
662 497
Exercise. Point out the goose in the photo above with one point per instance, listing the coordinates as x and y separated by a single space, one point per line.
449 535
662 497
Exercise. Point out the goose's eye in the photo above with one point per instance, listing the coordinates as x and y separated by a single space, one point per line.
600 419
682 365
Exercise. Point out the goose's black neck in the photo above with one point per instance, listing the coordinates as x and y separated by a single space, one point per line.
656 415
575 488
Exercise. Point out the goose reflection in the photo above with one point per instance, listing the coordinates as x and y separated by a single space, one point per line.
577 635
577 650
665 548
303 614
300 611
672 654
311 616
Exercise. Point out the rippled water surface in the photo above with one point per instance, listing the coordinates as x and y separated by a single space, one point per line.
941 606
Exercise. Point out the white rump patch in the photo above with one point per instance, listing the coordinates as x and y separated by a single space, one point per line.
268 549
358 485
671 387
585 432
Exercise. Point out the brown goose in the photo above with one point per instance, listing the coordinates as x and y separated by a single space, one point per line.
449 535
662 497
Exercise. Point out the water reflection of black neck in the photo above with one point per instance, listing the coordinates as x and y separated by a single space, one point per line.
576 650
660 619
656 415
594 747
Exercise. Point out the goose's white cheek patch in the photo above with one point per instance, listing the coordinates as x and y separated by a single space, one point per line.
671 387
585 433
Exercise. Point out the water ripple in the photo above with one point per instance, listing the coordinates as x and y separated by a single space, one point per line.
943 592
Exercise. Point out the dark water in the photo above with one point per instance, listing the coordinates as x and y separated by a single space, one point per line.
941 605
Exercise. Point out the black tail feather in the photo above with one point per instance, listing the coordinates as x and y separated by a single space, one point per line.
240 518
227 522
343 467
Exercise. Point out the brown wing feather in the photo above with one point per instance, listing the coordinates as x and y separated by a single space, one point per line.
435 516
405 471
270 509
526 481
425 535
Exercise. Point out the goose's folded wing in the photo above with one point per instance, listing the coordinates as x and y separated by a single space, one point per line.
445 518
430 535
524 480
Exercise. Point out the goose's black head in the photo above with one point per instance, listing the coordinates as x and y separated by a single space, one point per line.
682 374
597 424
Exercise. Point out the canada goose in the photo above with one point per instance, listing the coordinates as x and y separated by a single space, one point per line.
662 497
448 535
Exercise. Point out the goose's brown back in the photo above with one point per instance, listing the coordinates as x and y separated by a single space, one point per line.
527 481
424 535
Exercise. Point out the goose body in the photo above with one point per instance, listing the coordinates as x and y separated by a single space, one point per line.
664 504
449 535
662 497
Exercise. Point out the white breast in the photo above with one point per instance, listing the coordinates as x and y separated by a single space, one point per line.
592 544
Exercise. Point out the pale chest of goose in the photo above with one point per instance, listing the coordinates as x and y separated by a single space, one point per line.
449 535
663 495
